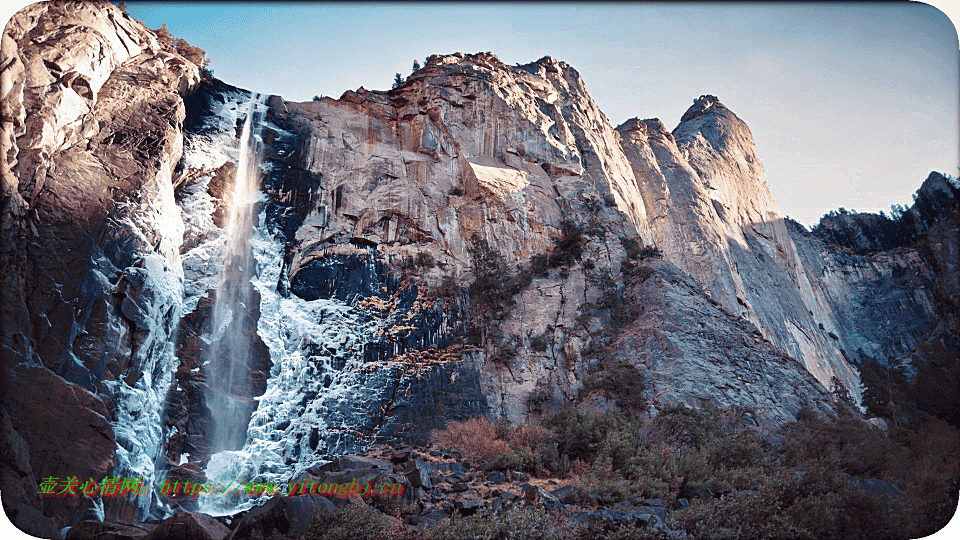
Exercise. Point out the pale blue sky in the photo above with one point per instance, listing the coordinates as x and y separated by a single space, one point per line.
850 105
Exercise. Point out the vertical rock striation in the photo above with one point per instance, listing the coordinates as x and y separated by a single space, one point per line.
116 172
712 214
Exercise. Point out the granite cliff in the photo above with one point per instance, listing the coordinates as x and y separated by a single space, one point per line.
646 267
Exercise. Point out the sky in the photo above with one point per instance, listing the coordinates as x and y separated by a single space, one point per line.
850 105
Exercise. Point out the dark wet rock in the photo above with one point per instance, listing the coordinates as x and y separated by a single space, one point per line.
401 455
288 515
659 511
704 494
449 467
566 494
189 526
419 473
359 463
550 502
615 517
496 477
468 507
432 517
87 530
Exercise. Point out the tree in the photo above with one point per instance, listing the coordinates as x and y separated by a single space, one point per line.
416 65
491 293
397 80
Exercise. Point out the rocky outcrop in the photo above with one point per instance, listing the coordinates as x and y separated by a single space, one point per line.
895 297
117 169
92 285
712 214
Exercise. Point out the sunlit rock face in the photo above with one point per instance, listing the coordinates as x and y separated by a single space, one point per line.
711 211
92 282
118 175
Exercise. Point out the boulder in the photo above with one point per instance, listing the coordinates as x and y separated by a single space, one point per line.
287 515
189 526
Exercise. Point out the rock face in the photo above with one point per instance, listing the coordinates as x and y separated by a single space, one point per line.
92 279
118 163
893 287
712 214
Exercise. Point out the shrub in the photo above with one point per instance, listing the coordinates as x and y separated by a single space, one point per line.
476 438
540 342
567 247
521 523
649 252
505 355
425 260
456 191
540 265
491 292
351 522
169 43
631 246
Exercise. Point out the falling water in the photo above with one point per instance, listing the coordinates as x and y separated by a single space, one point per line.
229 394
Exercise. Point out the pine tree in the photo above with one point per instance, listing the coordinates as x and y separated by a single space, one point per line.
416 65
397 80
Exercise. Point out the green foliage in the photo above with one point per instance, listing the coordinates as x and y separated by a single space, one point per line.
505 355
456 191
541 396
567 247
520 523
397 80
631 246
425 260
169 43
416 65
540 342
492 290
521 459
448 288
352 522
540 265
619 381
650 252
805 487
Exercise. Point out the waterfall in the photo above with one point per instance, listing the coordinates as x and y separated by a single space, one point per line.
229 355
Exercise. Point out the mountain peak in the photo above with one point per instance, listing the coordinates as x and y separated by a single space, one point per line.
702 105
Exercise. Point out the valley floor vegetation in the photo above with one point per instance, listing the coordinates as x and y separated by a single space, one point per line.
718 473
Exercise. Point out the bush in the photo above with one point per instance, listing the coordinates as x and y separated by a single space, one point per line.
621 382
352 522
492 290
477 438
567 247
540 342
425 260
456 191
540 265
649 252
169 43
520 523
